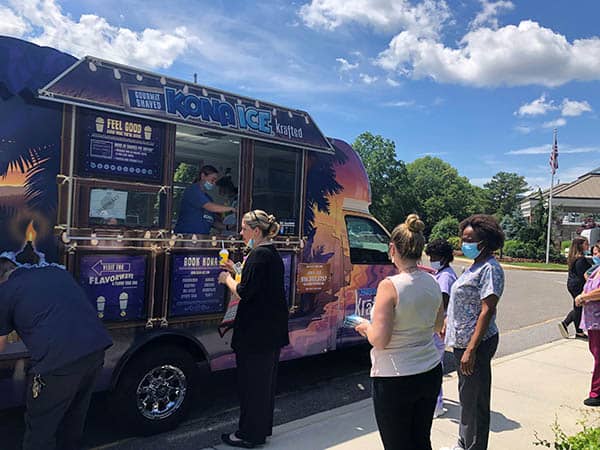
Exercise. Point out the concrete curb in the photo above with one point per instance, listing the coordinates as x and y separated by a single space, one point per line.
461 260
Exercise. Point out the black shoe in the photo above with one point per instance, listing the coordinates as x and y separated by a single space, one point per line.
234 441
592 401
581 335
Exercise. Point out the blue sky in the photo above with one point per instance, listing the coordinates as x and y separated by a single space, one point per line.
478 83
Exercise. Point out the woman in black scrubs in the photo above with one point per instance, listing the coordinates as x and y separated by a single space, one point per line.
260 329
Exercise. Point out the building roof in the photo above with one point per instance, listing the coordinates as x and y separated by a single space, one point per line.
587 186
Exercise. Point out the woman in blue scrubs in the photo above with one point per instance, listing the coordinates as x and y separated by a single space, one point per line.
197 211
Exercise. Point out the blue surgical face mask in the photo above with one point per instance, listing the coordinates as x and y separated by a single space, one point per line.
587 252
596 259
208 186
435 265
250 243
470 249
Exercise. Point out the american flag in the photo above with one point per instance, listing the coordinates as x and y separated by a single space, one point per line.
554 155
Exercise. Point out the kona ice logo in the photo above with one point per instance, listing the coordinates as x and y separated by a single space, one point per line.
213 110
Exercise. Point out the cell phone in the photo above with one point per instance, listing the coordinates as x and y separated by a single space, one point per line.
353 320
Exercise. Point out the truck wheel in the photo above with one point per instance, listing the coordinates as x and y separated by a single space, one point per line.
154 391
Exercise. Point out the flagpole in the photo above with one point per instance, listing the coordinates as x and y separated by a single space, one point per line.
550 208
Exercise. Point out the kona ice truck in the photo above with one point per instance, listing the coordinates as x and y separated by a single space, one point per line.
94 157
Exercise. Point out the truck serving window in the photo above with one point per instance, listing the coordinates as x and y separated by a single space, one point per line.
276 184
195 148
123 207
368 241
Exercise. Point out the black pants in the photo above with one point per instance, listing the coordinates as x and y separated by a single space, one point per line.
55 419
474 392
574 317
257 380
404 409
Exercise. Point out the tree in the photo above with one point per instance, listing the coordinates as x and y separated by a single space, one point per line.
391 193
504 192
513 225
440 191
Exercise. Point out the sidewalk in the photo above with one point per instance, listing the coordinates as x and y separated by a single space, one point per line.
530 389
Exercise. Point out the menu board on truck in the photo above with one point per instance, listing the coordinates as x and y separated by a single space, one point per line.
116 146
115 284
194 284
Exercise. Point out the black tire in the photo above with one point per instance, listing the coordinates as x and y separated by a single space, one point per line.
155 390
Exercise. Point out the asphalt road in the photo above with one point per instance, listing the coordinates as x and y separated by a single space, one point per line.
531 305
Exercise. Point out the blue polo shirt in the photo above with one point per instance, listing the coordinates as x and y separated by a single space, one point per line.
193 218
52 315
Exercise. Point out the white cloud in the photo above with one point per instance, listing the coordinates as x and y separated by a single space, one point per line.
573 108
488 14
433 154
560 122
512 55
345 66
367 79
523 129
11 24
536 107
93 35
531 150
545 149
392 82
400 104
424 19
479 181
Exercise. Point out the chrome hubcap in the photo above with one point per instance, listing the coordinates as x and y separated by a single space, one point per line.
161 392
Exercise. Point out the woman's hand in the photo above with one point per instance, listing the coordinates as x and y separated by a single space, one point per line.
228 265
579 300
442 333
223 277
467 362
362 327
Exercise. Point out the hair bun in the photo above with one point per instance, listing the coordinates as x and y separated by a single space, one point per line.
414 223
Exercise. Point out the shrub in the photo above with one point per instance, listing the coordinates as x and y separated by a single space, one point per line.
529 250
514 248
454 242
444 229
587 439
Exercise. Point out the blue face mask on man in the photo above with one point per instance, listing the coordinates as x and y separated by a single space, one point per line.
470 249
208 186
596 259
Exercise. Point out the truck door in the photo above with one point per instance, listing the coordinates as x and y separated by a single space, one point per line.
366 264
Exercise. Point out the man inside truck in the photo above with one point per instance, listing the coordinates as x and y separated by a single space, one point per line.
197 212
66 341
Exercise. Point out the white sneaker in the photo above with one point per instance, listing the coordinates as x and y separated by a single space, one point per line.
439 411
563 330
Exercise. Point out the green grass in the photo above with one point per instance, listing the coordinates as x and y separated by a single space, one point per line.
541 266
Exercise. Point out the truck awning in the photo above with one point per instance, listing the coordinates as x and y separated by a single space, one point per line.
99 84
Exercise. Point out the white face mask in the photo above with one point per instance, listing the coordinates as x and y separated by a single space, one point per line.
435 265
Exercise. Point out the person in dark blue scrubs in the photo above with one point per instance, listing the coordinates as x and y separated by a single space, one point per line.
66 342
197 211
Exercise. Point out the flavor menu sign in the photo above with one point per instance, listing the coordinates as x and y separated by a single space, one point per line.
115 284
313 278
115 146
194 284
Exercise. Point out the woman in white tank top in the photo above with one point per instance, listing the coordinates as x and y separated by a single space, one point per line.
406 369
